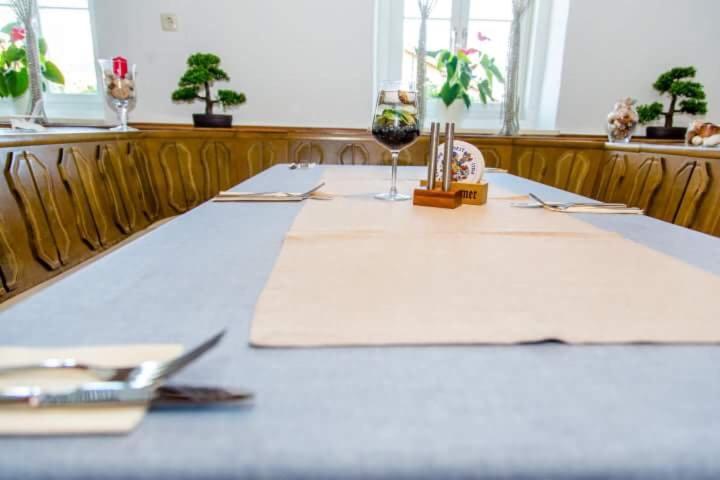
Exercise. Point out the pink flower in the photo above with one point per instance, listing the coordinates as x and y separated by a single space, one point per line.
17 34
469 51
482 37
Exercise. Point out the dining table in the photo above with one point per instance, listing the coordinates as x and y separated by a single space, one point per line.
524 411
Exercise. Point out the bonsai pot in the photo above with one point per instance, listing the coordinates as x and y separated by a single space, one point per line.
666 133
212 121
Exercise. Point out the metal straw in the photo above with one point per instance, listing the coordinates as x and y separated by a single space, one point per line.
434 144
447 156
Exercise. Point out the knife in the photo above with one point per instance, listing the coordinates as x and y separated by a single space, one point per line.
113 394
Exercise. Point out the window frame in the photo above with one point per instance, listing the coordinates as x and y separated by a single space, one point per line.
70 107
535 37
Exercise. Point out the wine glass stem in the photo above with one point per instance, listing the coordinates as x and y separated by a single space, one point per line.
393 186
123 114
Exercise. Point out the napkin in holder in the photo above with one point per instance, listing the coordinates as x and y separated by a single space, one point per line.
76 420
459 161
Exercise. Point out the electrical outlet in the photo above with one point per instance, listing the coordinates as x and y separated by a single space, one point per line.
169 22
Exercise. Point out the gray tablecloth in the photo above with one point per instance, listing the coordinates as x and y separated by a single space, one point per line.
534 411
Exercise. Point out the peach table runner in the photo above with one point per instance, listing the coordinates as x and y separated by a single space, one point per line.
357 271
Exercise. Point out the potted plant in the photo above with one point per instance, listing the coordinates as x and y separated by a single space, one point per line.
14 76
686 96
466 72
203 71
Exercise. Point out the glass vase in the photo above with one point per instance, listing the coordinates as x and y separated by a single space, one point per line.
622 121
119 89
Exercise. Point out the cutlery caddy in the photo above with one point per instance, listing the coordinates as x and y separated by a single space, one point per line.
451 194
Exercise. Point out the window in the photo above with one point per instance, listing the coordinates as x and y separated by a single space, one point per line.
461 23
455 24
67 29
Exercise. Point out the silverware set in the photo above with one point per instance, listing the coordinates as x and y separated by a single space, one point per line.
140 384
579 207
270 196
447 155
300 165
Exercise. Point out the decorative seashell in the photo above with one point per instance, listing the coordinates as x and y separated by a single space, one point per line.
704 129
408 98
711 141
708 130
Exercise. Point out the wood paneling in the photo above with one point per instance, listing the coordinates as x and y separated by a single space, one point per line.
77 174
177 165
30 180
9 265
216 162
149 198
354 154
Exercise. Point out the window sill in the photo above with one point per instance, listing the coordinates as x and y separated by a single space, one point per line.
479 118
65 109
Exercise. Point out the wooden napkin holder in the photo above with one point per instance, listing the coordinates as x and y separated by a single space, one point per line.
470 193
437 198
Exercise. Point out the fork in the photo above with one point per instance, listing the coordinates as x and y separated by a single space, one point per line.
566 205
304 195
537 204
147 373
592 207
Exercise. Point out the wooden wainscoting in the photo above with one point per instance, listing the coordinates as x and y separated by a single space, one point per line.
67 198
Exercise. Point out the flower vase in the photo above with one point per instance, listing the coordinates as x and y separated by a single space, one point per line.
456 113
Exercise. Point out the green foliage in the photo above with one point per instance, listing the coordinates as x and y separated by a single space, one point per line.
18 81
203 71
692 106
230 98
392 116
52 73
461 78
8 28
666 80
686 96
14 77
195 76
185 94
648 113
4 89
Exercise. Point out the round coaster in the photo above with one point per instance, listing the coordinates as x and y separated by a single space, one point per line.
468 163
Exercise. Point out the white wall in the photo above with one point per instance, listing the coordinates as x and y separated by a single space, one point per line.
300 63
617 48
310 62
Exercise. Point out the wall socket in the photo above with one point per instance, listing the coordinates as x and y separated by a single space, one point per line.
169 22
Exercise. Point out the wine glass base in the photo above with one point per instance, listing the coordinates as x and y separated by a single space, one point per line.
121 128
393 197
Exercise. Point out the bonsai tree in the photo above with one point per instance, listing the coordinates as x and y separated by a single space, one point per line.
691 96
203 71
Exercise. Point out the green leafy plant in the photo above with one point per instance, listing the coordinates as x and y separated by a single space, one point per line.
14 77
391 116
675 83
203 71
462 75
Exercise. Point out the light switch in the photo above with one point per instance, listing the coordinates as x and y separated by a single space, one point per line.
169 22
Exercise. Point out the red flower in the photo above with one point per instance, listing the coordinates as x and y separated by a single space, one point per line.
120 66
482 37
17 34
469 51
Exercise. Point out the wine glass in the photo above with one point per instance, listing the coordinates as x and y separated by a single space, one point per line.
395 125
119 88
